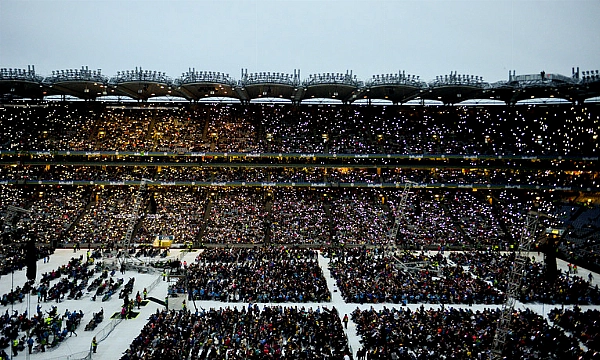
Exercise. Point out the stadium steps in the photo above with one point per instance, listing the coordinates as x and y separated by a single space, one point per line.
496 213
138 224
577 213
268 221
591 234
205 219
327 207
150 130
76 221
93 136
205 131
455 222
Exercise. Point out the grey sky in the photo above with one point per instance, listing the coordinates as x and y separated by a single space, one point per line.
426 37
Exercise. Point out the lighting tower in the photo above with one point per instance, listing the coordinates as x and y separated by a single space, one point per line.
515 277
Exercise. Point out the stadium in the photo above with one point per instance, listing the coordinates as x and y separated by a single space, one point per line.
282 217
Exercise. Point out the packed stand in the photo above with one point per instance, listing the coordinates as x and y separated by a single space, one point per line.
584 325
48 126
256 275
451 333
536 287
107 218
360 218
178 212
298 217
246 333
236 216
494 130
425 221
180 129
374 276
54 211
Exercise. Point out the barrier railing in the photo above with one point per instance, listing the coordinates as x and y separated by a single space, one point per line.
82 355
105 331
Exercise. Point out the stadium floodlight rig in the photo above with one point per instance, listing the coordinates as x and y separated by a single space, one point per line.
192 76
332 78
140 75
20 74
513 286
271 78
401 78
83 74
455 79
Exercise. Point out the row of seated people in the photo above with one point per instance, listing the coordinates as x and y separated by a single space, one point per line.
178 212
65 173
257 275
370 276
498 130
52 328
69 281
230 215
582 324
74 269
107 217
455 333
13 257
249 332
253 215
44 329
537 285
236 216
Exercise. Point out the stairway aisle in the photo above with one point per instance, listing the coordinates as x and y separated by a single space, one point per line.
336 298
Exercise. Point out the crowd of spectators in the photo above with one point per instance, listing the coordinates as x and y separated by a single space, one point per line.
252 173
42 330
180 129
432 217
107 218
584 325
179 213
298 217
66 173
372 276
243 215
537 286
123 130
12 257
248 332
426 221
50 126
522 130
230 131
53 211
261 274
360 217
236 216
455 333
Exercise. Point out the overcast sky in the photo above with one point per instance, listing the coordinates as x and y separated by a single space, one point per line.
422 37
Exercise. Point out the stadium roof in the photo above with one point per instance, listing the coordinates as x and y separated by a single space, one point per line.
399 88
